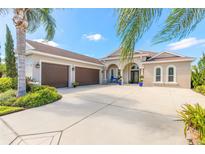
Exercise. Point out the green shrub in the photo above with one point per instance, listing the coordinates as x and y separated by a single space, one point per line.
200 89
5 84
8 109
35 88
39 95
193 117
75 84
8 98
2 69
14 83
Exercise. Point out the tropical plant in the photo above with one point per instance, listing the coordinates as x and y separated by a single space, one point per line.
198 73
28 20
193 117
75 84
10 59
200 89
179 24
131 25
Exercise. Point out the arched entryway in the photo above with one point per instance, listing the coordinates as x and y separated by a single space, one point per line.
131 73
135 73
113 73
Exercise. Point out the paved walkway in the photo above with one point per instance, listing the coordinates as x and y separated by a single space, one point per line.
102 115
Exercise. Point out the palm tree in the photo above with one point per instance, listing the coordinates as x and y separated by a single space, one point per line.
179 24
28 20
131 25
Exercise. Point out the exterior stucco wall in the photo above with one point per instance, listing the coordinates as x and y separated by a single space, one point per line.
29 66
35 73
183 74
122 65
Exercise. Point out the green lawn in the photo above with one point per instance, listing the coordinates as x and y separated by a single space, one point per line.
9 109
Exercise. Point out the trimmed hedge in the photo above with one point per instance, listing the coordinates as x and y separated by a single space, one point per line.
39 95
200 89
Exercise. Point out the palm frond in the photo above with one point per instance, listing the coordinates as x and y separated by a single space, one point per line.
3 11
33 20
131 25
179 24
49 22
38 17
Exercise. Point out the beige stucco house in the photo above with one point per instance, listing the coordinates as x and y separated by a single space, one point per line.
57 67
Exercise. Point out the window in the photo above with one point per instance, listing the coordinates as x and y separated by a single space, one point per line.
158 74
134 67
171 73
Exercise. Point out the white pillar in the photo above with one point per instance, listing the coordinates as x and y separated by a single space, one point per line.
121 74
71 75
100 76
105 75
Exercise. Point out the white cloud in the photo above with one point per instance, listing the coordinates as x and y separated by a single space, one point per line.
93 37
51 43
186 43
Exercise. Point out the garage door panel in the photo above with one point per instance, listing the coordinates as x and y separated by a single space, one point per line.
86 76
54 75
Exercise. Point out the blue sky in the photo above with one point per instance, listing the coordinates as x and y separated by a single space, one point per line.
93 32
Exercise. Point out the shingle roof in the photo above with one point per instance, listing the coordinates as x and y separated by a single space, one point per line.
168 56
61 52
117 53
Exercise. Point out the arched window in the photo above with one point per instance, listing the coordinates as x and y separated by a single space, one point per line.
134 67
171 74
158 74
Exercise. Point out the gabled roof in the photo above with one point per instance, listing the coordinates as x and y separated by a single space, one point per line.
40 47
116 53
168 56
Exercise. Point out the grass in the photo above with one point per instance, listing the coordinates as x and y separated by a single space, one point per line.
9 109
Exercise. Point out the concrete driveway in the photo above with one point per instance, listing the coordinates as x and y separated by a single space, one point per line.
102 115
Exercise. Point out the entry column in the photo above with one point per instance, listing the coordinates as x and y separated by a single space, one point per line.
105 75
121 75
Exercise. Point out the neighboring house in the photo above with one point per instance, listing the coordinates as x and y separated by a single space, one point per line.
60 68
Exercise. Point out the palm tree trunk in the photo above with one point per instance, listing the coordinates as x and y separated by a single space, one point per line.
21 46
21 26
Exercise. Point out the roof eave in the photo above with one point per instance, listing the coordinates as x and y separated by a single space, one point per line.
168 61
35 52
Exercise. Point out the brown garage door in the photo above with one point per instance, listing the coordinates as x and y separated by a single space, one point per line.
54 75
86 76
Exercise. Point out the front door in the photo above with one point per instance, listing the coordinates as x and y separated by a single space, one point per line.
135 76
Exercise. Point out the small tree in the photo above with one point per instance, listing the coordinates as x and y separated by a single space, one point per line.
198 73
10 59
